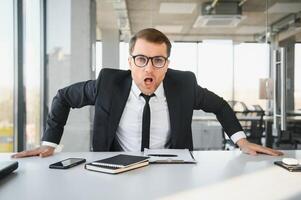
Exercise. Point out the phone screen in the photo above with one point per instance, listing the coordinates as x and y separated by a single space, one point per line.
70 162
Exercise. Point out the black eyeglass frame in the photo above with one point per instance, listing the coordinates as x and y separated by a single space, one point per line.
149 58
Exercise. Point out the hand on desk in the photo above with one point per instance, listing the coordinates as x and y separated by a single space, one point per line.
42 151
254 149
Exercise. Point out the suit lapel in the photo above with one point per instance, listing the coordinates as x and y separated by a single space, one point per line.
174 107
120 94
121 91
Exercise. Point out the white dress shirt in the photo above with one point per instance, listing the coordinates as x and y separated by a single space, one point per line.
129 131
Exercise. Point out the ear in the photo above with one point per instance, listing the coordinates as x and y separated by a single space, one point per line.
167 63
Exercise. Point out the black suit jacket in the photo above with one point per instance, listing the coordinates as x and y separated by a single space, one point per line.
109 94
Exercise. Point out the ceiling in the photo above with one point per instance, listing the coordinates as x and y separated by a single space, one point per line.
176 18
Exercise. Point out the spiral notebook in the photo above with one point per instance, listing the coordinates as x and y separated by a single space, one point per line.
118 163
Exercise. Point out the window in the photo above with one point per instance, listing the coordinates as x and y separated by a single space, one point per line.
32 71
297 76
184 56
251 62
24 64
98 52
6 76
215 67
124 55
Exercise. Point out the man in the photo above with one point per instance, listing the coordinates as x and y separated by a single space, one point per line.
148 106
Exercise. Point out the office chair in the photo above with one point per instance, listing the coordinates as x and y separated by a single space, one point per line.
241 110
255 133
253 127
291 137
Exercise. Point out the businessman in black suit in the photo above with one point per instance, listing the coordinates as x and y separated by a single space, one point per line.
148 106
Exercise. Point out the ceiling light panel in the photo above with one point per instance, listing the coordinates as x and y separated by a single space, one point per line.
285 8
170 28
177 8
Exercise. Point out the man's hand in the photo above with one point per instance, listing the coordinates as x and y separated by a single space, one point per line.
42 151
254 149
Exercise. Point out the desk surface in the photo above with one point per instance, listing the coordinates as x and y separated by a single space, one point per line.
247 118
218 175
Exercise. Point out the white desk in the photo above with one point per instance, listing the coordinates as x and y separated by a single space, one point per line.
218 175
247 118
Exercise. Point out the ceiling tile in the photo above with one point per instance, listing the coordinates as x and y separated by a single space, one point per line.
169 28
177 8
285 8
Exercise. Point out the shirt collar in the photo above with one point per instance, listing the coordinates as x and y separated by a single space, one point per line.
159 91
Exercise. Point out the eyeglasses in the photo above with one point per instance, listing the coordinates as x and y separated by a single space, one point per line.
142 60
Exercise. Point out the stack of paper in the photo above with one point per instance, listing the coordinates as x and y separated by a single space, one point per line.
169 155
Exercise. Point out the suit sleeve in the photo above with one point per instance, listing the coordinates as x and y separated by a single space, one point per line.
74 96
210 102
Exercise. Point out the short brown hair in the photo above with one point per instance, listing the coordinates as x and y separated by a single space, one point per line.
150 35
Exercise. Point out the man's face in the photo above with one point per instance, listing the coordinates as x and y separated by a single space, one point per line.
148 78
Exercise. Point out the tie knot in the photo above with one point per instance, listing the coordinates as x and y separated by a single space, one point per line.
147 97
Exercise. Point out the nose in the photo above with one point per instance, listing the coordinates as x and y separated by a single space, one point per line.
149 67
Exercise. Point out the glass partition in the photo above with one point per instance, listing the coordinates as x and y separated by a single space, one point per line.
6 76
251 63
32 70
297 77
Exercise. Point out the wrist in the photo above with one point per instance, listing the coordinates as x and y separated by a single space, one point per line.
50 144
47 147
242 142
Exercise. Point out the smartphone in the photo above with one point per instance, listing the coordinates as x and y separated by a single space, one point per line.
67 163
294 168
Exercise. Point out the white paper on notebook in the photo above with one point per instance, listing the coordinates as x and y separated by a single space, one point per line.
169 156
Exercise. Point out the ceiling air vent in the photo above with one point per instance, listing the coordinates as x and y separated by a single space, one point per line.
223 14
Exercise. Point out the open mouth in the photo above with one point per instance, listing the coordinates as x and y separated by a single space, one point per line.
148 80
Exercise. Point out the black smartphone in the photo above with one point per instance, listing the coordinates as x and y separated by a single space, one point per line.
291 168
67 163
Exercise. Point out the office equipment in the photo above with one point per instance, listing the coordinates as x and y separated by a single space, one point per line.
7 167
169 155
266 88
256 130
290 161
163 155
67 163
291 168
118 163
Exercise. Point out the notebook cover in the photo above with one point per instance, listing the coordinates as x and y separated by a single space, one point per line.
121 160
114 170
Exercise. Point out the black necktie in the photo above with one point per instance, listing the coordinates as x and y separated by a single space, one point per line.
145 122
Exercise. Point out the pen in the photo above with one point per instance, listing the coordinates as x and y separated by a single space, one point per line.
163 155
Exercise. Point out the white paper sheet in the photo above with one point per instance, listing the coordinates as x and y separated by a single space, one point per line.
169 155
